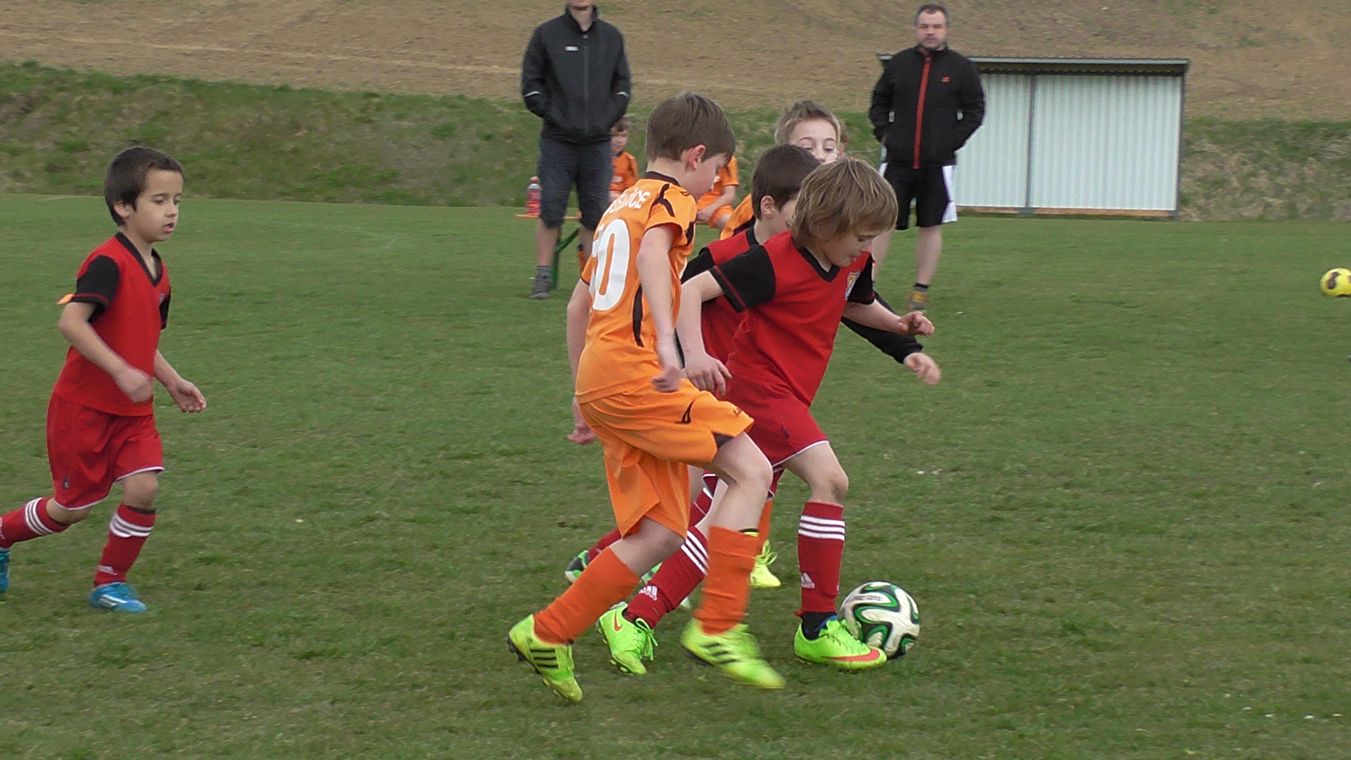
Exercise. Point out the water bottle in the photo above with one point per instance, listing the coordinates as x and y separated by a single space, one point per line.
532 193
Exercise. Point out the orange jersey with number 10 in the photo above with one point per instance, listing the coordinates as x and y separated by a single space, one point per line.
620 352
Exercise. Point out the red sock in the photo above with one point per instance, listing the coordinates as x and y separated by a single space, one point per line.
601 584
704 499
28 522
680 573
820 549
127 532
602 544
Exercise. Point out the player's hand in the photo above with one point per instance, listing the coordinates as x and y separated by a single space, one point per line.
924 367
915 323
669 378
707 374
186 395
702 214
581 434
135 383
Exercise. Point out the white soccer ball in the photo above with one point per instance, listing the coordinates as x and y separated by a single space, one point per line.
883 615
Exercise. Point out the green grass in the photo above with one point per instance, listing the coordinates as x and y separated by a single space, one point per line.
59 128
1122 511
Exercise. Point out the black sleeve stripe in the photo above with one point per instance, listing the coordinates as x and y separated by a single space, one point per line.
729 290
164 311
638 316
748 280
98 284
661 198
702 262
862 291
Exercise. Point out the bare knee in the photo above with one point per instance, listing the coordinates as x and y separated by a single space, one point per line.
831 486
139 490
66 516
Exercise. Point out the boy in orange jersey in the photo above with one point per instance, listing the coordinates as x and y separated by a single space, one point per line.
625 165
806 124
651 422
101 418
715 207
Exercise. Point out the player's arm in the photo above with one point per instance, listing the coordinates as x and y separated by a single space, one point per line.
654 274
579 311
79 333
184 393
704 371
876 315
895 345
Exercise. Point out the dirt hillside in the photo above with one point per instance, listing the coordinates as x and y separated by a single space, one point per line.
1249 59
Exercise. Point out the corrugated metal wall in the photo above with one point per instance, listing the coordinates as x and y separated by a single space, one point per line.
1096 143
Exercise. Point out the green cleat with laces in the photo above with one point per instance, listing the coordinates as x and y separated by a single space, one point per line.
836 647
553 662
733 652
630 642
761 577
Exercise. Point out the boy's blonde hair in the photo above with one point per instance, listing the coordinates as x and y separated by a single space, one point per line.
805 110
847 197
685 121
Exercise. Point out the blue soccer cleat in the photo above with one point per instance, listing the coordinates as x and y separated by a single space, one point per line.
116 597
4 570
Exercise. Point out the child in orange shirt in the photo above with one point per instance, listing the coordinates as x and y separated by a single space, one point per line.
652 423
626 166
715 207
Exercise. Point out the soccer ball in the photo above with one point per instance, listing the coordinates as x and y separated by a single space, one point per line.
1336 282
881 614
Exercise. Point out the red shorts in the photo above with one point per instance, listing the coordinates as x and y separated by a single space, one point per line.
783 427
89 450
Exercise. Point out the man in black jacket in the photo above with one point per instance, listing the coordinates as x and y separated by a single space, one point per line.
926 105
575 77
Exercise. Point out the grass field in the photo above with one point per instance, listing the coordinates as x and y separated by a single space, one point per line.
58 129
1122 512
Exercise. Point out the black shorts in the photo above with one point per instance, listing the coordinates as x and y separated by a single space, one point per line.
562 165
930 187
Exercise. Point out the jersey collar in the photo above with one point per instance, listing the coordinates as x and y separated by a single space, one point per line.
135 254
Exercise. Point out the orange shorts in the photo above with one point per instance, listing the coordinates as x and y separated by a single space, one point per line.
650 438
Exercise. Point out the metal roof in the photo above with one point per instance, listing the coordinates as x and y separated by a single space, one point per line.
1007 65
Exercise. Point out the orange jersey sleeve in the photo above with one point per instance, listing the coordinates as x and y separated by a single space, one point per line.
620 351
727 177
625 172
744 212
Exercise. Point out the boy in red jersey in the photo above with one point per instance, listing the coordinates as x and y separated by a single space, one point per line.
101 418
793 291
651 422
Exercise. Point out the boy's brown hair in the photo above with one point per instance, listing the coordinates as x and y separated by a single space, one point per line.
805 110
847 197
125 178
779 174
687 120
620 126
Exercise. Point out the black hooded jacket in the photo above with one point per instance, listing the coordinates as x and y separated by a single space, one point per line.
577 82
952 108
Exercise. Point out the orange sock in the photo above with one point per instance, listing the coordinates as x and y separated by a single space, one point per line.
731 557
605 581
763 527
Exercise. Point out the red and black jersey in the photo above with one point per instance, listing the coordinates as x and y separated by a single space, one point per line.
792 311
131 307
718 320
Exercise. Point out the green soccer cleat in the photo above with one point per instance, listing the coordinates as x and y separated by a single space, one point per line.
761 577
919 301
576 565
553 662
630 643
834 646
734 652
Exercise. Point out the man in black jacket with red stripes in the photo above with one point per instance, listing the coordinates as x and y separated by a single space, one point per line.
575 76
926 105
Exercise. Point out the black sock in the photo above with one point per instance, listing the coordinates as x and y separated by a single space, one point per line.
921 287
813 622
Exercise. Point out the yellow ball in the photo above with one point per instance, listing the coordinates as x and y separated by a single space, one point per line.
1336 282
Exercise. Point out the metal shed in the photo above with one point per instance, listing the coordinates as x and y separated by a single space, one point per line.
1077 136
